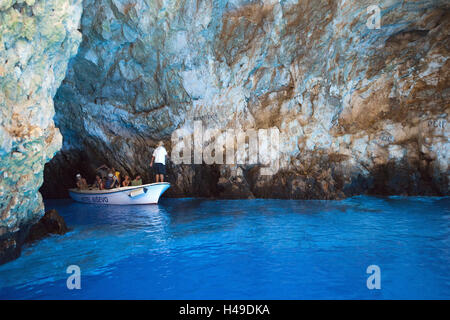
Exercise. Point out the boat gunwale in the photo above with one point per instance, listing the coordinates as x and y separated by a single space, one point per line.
115 190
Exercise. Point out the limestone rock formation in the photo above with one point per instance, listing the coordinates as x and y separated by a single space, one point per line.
50 223
359 107
37 39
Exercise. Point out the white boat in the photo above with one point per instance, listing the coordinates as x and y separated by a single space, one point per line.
143 194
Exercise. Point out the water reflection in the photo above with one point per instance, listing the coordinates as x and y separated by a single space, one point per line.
188 248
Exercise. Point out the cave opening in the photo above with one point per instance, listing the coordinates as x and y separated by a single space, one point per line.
134 82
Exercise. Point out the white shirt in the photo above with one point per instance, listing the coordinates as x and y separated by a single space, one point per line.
160 155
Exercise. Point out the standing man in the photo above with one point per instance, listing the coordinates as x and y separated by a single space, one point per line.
159 157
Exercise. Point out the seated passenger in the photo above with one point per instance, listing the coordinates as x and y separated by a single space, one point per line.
98 184
116 173
81 182
126 182
111 181
137 181
116 183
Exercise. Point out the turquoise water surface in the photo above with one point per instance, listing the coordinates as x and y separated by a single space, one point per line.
241 249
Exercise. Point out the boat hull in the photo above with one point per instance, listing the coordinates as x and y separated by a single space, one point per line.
145 194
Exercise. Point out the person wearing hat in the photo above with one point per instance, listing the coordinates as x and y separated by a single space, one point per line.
159 158
111 181
81 182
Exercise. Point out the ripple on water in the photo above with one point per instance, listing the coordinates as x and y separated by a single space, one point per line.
249 249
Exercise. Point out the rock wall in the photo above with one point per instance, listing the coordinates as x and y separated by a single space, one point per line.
360 109
37 38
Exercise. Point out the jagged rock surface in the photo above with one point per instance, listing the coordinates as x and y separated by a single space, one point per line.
37 39
50 223
359 110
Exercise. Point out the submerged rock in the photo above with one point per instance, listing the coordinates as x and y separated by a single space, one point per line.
50 223
11 243
360 109
37 38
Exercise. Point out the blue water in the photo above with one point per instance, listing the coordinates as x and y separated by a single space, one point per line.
241 249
